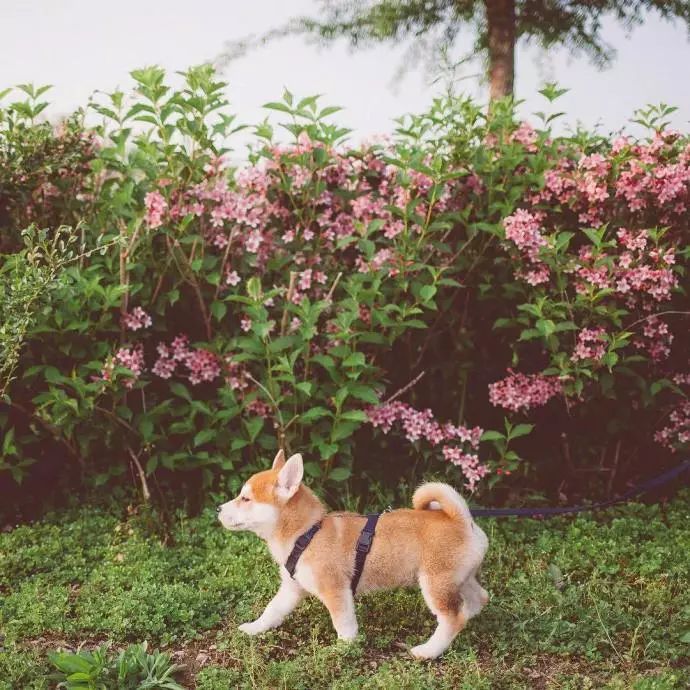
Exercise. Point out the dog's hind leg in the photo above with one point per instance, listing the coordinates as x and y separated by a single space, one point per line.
284 602
474 596
442 596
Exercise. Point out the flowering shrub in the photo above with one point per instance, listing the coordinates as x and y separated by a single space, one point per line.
496 276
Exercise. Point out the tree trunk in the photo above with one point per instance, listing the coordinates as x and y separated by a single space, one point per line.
500 20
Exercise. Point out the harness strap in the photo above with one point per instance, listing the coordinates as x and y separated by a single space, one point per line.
363 546
299 547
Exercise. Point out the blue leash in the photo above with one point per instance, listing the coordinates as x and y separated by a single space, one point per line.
643 488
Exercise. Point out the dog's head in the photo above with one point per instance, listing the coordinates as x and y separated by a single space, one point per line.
263 497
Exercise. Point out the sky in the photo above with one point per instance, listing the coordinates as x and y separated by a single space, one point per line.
80 46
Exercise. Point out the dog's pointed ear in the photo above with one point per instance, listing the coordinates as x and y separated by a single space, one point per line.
279 460
290 476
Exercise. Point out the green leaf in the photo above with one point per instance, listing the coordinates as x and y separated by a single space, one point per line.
610 359
274 105
530 334
313 469
253 427
519 430
363 392
427 292
356 359
204 436
219 309
52 375
355 416
8 446
339 474
146 429
181 391
305 387
343 430
313 414
492 436
546 326
238 443
327 450
254 288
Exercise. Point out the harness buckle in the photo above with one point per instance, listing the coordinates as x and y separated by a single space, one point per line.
364 543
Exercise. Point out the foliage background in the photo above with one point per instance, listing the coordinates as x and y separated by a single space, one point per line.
522 286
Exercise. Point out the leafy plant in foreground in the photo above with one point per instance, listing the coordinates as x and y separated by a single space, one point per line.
134 668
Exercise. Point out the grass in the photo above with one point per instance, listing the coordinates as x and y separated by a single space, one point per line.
587 602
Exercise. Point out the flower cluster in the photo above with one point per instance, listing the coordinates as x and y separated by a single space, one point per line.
526 135
677 432
639 273
136 319
421 425
201 364
656 339
524 230
247 221
156 206
520 391
653 176
131 358
591 344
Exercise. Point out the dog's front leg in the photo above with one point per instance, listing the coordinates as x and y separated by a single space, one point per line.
341 605
284 602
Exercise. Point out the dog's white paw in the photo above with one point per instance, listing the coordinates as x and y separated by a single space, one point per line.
424 651
252 628
347 637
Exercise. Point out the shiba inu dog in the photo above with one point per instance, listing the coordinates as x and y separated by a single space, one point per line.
435 545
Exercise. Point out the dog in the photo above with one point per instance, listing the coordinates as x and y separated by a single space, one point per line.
436 545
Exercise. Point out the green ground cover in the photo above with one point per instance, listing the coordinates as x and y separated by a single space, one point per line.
587 602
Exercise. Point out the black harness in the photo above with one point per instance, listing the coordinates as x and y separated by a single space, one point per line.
299 547
366 537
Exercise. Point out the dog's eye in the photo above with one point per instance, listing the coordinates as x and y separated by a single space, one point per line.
244 499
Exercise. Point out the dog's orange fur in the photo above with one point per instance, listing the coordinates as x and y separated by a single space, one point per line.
435 544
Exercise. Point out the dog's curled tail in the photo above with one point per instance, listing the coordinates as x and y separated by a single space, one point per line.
444 497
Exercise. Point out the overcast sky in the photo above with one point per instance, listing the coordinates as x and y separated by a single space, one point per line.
83 45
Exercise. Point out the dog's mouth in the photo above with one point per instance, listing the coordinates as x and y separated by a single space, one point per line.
231 525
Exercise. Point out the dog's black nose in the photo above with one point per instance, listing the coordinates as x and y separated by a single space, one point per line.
219 508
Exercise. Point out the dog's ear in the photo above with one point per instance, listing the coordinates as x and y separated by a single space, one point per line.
290 476
279 460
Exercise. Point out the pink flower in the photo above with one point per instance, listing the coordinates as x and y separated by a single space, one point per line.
523 391
304 280
656 339
591 344
525 135
420 425
232 278
136 319
524 230
677 433
155 208
468 462
253 241
246 324
131 358
203 366
258 408
165 364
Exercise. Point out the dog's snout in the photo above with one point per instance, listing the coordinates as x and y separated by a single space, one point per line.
219 508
